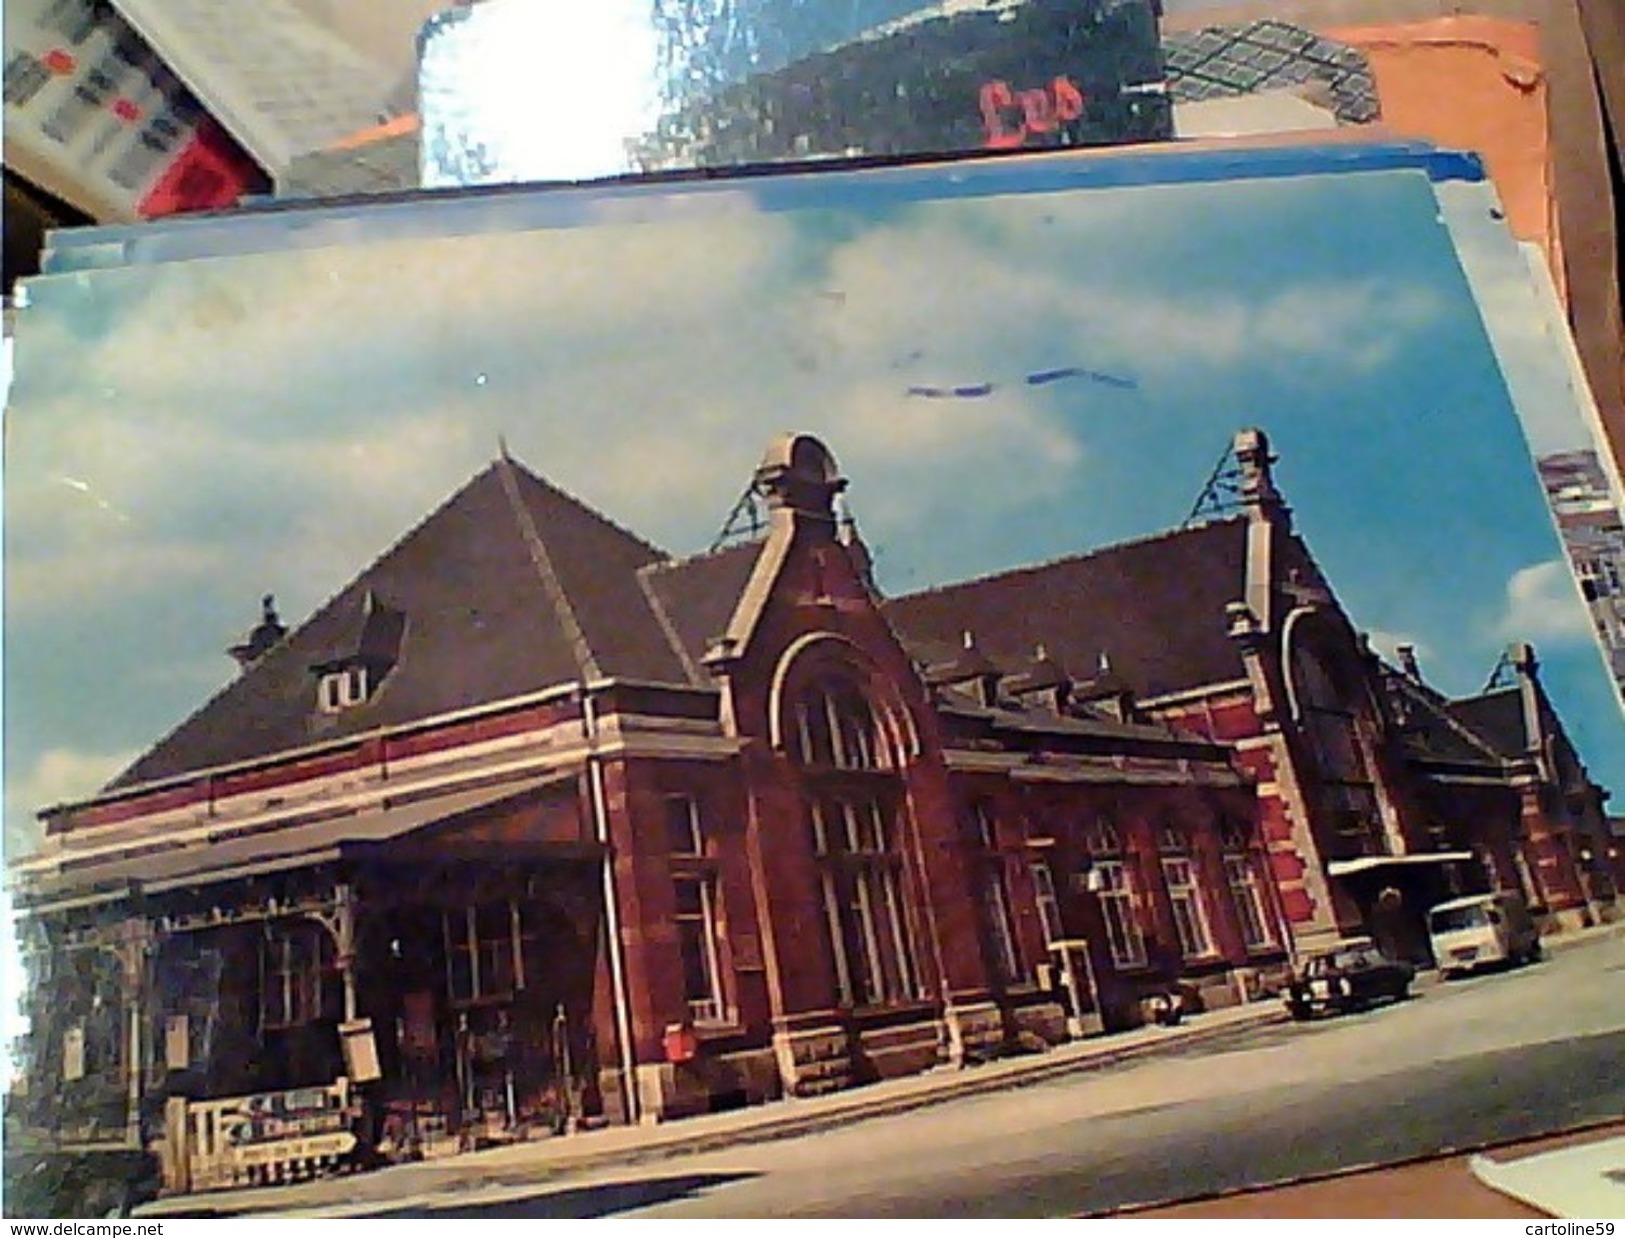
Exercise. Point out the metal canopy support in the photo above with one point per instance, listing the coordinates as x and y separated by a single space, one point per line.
745 523
1221 493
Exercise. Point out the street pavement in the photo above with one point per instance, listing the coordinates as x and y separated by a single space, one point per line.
1231 1100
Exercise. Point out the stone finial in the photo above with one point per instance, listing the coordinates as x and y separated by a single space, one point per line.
1241 620
1408 662
1257 482
1521 657
260 641
799 473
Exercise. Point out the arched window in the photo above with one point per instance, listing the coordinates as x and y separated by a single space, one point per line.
854 803
836 728
1113 882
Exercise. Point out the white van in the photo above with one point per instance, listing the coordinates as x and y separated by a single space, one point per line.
1481 929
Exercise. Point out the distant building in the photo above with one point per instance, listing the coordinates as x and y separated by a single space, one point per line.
533 824
1594 534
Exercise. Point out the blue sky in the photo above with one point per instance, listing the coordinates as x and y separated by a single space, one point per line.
185 437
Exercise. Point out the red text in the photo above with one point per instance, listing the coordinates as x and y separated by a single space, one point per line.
1011 115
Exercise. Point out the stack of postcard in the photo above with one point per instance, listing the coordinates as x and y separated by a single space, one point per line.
1013 362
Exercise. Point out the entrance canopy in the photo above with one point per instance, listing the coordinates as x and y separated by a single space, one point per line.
266 851
1371 863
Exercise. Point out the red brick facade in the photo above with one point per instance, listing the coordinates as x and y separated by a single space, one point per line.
803 841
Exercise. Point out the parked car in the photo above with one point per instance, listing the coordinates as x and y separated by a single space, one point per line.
1482 929
1350 976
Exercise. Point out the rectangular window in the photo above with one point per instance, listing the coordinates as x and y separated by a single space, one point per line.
188 987
868 934
874 963
1248 896
1184 893
683 834
838 938
339 690
485 947
1049 906
697 944
1117 906
905 984
291 978
861 908
996 907
987 827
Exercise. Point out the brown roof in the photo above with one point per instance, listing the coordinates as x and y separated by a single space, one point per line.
1496 718
698 596
1432 731
1155 608
509 587
1038 727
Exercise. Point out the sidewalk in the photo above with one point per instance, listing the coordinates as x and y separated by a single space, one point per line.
530 1163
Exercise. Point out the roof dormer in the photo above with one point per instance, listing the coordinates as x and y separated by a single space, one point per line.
352 674
1043 682
970 667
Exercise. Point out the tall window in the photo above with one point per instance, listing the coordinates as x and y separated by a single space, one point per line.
1348 794
1179 874
861 882
296 964
995 894
853 792
1049 906
1246 891
1114 883
88 1007
694 887
683 832
696 936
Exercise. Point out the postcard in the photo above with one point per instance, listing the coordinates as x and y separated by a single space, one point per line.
827 657
637 88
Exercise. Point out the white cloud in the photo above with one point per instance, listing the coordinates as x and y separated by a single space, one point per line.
1543 605
58 776
271 423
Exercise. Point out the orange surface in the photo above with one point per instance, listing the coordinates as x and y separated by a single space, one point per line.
377 133
1474 83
